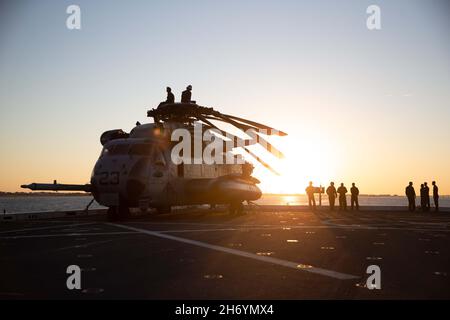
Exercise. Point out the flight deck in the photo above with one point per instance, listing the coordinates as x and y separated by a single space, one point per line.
271 253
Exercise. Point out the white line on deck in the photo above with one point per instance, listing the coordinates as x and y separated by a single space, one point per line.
284 263
300 228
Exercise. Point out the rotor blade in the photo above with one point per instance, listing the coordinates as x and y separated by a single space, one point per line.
270 130
224 133
209 123
257 139
239 142
265 164
241 126
268 146
190 111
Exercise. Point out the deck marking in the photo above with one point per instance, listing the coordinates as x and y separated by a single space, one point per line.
299 228
85 245
285 263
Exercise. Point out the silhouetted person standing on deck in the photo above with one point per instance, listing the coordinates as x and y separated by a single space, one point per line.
310 192
354 199
411 195
332 195
342 199
186 95
170 97
427 196
422 197
435 195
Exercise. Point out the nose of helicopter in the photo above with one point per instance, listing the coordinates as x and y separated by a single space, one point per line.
258 193
255 193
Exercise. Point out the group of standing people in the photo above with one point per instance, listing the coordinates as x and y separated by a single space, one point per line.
424 197
340 193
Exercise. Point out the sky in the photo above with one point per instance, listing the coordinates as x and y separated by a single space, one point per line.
359 105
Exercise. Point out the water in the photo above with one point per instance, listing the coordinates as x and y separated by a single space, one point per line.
27 204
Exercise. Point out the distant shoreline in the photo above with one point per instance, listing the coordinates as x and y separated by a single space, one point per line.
44 194
324 195
77 194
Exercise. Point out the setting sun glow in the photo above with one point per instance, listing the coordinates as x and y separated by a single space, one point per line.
304 161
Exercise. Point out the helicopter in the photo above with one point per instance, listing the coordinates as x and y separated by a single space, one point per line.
137 169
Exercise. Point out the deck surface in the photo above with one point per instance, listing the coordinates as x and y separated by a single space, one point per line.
211 255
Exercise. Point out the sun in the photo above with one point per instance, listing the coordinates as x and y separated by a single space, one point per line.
304 161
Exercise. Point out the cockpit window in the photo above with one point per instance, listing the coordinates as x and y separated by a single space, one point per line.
118 149
142 149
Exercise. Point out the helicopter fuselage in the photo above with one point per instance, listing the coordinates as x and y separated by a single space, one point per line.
137 171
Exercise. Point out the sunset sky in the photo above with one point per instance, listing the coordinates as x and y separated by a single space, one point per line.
371 107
